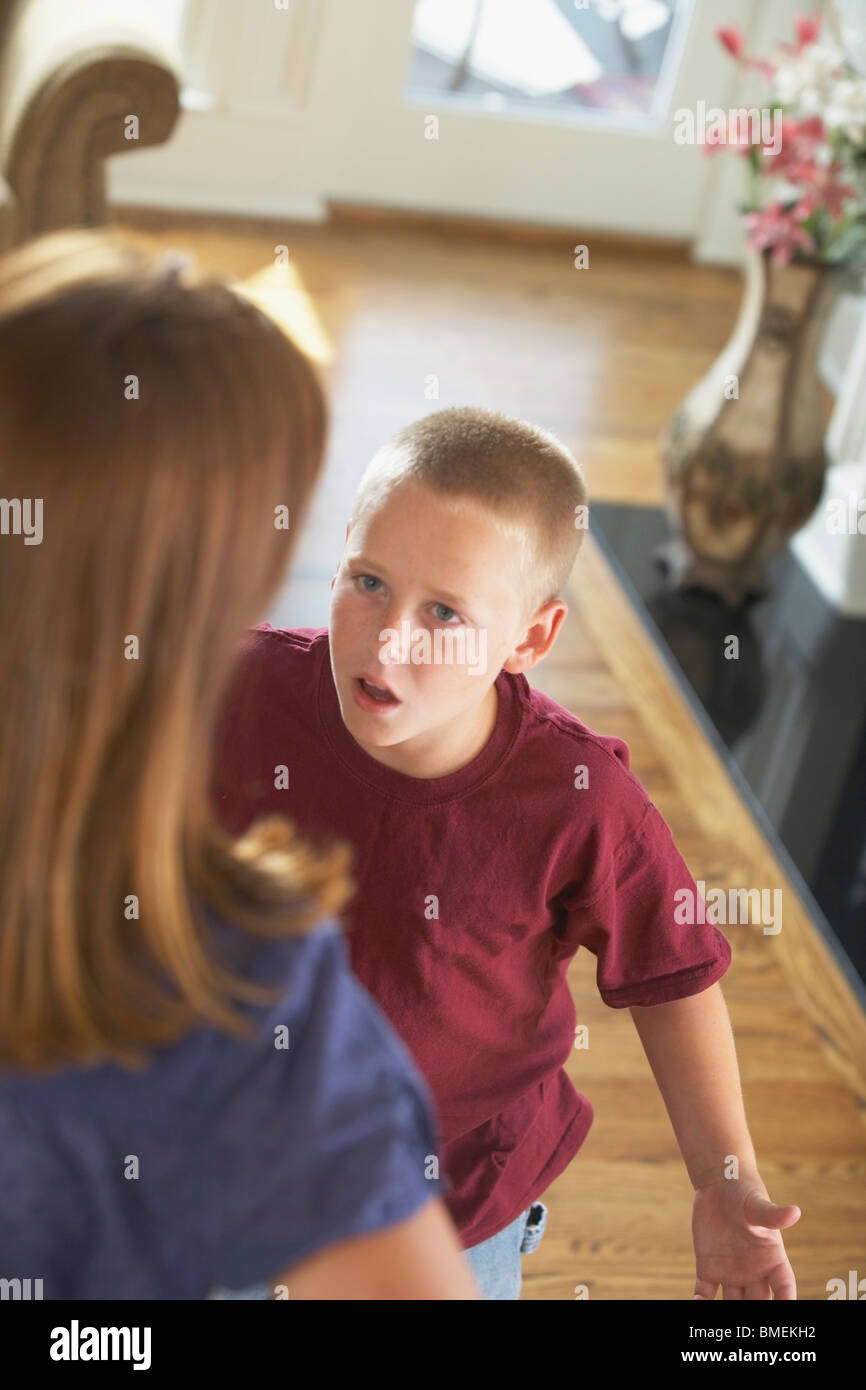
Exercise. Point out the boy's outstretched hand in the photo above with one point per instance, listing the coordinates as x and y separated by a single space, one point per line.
738 1242
735 1226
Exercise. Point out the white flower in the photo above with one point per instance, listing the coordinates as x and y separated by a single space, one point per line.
846 109
807 79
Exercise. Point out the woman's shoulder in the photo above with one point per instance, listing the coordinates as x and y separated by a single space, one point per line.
315 1128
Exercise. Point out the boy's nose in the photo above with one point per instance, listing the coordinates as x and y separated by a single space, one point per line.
394 638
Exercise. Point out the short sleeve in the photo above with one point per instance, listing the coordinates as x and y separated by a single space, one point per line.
327 1138
646 924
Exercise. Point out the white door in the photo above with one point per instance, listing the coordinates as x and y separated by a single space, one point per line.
546 111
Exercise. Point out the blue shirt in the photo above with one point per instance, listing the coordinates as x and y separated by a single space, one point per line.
225 1161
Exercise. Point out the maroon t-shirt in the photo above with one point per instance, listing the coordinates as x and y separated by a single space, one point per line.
474 891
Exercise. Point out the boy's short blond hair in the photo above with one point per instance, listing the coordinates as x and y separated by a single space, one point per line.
526 476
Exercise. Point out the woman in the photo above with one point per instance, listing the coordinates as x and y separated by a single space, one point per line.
195 1092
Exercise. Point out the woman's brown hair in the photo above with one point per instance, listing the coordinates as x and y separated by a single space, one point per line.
161 420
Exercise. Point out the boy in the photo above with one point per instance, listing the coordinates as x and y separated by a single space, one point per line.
495 834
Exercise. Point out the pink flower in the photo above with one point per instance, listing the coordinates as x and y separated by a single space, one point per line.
761 65
808 32
776 227
811 130
824 190
796 162
796 148
733 41
808 29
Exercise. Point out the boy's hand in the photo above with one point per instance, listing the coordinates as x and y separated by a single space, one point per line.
738 1243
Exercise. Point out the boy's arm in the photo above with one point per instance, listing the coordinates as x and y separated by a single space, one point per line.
690 1048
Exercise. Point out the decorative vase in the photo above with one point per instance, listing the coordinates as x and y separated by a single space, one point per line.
744 453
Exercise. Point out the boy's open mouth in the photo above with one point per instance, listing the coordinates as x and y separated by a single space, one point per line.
372 695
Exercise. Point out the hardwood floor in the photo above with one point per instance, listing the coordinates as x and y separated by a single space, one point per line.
601 357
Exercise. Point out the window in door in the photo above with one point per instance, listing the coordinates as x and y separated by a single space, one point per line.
613 60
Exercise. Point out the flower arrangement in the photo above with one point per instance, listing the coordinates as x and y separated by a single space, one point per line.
807 187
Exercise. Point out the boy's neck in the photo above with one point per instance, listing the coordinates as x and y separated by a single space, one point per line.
436 757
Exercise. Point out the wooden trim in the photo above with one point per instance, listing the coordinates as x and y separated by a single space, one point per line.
158 218
347 215
495 229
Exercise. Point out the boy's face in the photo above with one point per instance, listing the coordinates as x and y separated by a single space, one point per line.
423 574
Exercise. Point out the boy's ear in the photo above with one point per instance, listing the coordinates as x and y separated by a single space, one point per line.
540 636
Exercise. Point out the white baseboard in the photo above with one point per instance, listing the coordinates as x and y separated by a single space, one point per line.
283 207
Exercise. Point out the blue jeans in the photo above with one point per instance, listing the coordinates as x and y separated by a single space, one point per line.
495 1263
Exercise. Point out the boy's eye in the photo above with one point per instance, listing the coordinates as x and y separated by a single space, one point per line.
373 580
444 613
